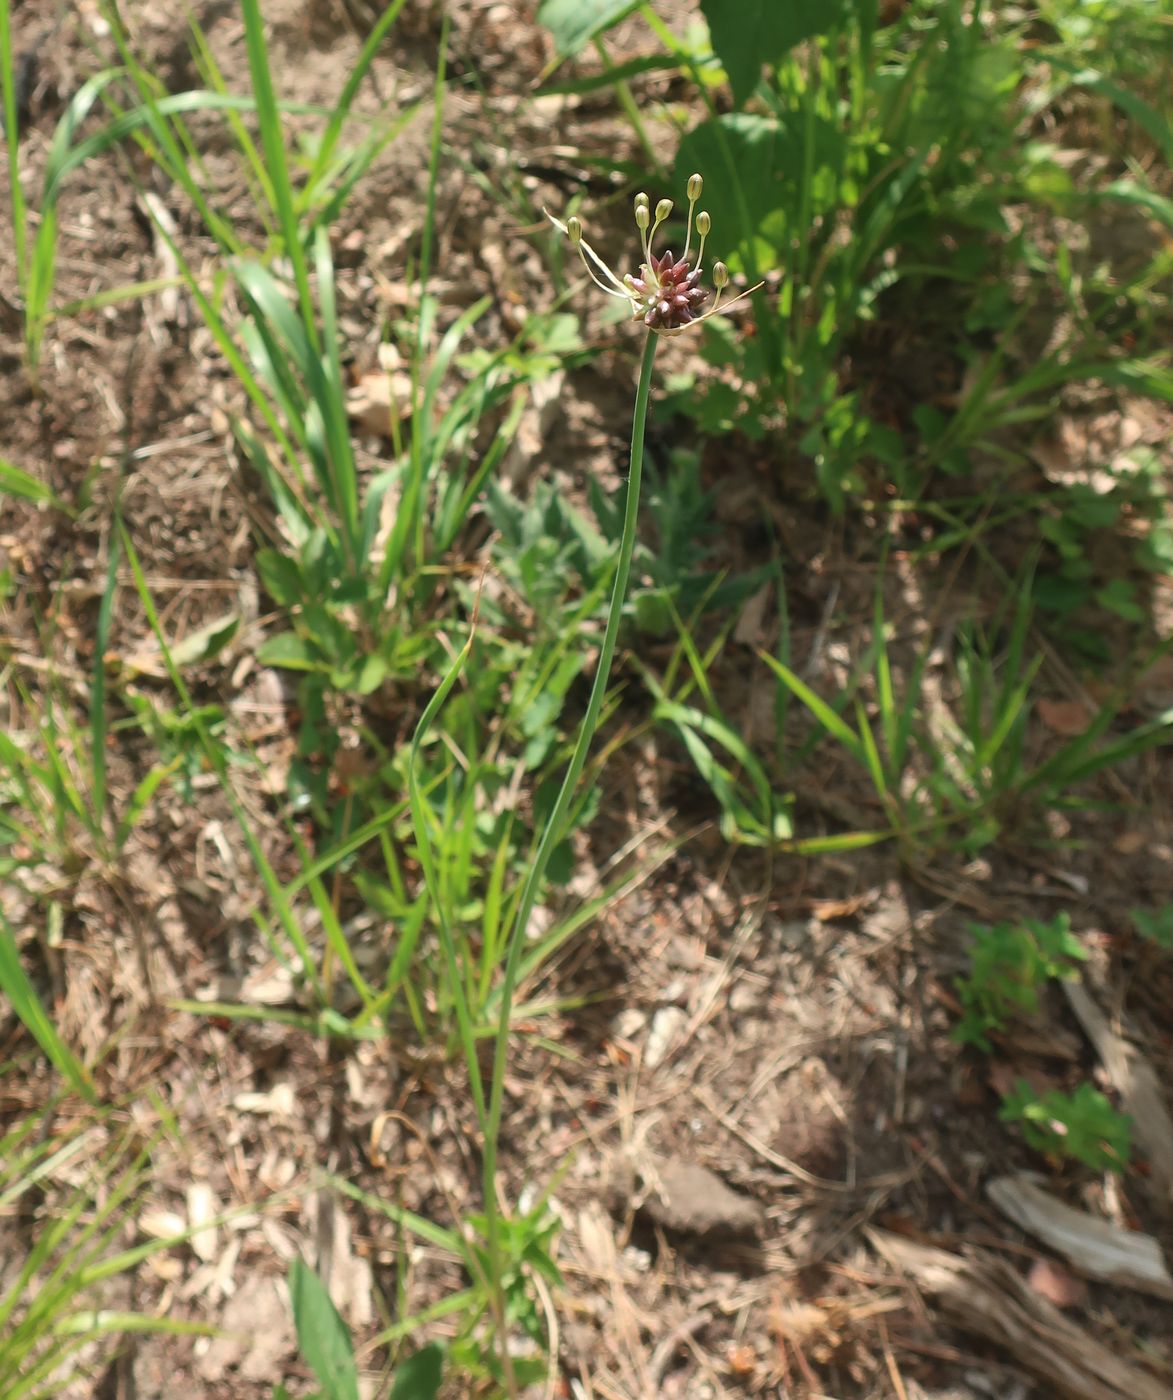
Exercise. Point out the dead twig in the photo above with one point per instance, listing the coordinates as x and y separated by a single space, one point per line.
985 1297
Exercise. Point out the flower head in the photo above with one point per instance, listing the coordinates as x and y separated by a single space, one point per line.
666 295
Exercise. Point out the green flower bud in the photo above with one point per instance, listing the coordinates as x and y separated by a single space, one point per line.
642 217
703 223
720 275
663 209
574 229
695 185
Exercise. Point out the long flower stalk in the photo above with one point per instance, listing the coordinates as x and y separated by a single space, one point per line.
667 297
553 832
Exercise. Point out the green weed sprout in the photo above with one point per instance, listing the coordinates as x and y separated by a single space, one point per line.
1009 964
1082 1126
1155 925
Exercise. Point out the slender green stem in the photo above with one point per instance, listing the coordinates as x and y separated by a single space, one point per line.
553 832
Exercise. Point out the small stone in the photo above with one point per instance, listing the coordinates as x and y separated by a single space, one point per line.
689 1198
675 992
745 996
666 1024
628 1023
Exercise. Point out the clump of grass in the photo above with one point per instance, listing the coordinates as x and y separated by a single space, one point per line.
51 1304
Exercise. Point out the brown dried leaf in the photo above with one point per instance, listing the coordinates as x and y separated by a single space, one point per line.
379 400
1067 718
1052 1282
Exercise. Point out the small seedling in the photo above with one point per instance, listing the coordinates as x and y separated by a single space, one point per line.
1155 925
324 1341
1009 964
1082 1125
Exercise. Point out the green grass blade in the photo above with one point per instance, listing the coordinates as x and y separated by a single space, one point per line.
273 143
98 715
358 72
421 818
23 998
330 391
14 481
12 145
833 723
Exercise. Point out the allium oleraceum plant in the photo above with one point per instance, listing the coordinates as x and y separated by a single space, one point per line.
667 297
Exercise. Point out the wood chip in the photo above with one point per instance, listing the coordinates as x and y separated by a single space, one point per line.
166 235
201 1211
666 1027
985 1297
1052 1282
380 402
161 1224
1095 1247
279 1101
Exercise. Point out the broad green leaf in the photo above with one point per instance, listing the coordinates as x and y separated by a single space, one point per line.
280 577
419 1376
287 649
749 33
205 642
574 23
371 674
321 1334
752 165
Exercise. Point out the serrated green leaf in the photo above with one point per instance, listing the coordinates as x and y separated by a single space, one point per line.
280 577
1155 924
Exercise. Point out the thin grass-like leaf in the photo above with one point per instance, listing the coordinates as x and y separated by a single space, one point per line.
215 756
421 818
833 723
14 481
29 1008
273 143
12 144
